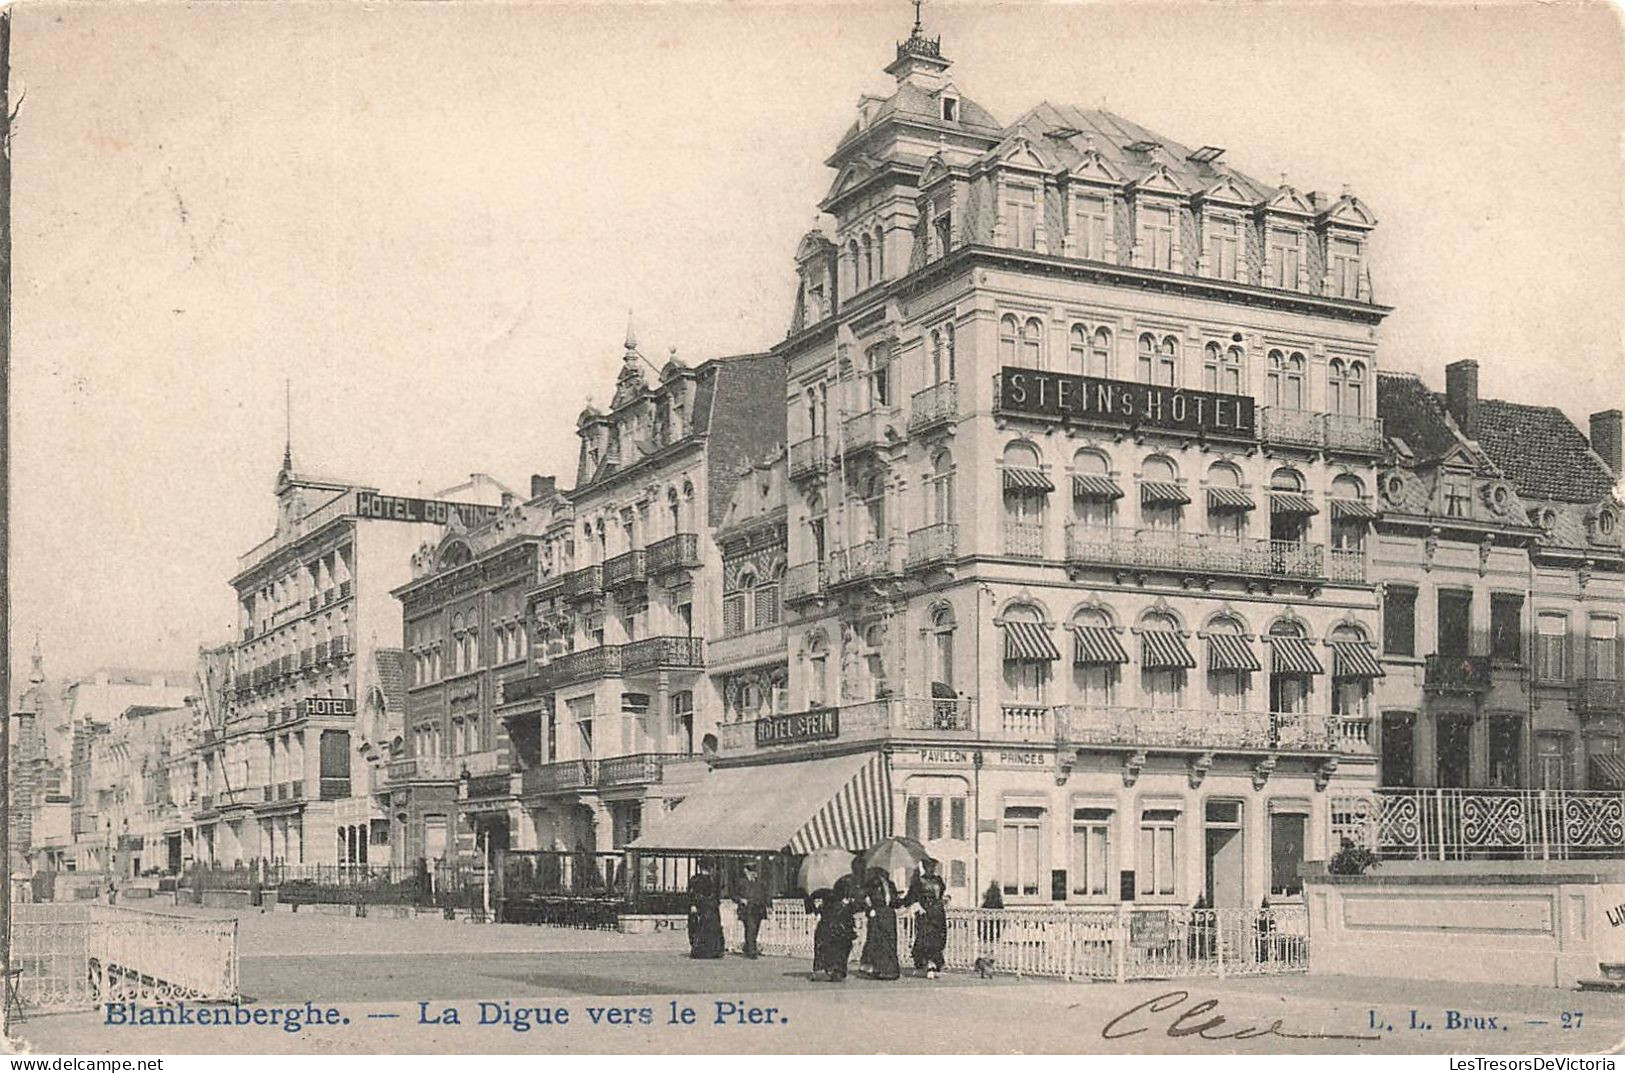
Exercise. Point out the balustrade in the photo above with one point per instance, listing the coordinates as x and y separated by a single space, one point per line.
1024 540
808 457
935 405
1178 550
681 551
933 544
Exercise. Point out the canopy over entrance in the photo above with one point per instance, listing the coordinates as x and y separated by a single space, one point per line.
806 805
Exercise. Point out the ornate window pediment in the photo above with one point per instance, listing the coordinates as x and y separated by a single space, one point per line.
1094 168
1289 202
1349 211
1226 192
936 171
1159 180
1021 154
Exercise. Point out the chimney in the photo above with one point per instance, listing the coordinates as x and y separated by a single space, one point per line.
1461 395
1605 437
542 486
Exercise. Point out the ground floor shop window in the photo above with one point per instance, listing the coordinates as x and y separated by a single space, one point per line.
1091 852
1154 865
1019 841
1288 840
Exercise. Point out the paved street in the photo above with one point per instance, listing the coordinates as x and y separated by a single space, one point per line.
376 972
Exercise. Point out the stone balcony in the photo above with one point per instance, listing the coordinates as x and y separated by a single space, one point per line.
743 648
865 431
808 458
934 406
1599 697
630 568
425 769
933 545
584 584
1204 729
1204 553
803 582
681 551
870 560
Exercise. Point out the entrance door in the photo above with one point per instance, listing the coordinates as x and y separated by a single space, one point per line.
174 854
1453 748
1226 880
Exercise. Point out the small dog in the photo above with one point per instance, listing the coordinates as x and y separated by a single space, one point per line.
984 967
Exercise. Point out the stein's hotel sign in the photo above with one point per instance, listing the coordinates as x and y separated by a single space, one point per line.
1095 400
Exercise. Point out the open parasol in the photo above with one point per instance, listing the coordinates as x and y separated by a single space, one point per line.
822 867
898 856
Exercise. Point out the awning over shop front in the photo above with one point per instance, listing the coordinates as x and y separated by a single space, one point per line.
1608 773
1231 652
1097 645
1019 478
1292 655
805 805
1094 486
1355 659
1029 640
1164 651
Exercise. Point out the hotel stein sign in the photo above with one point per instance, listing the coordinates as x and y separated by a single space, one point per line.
1094 400
434 511
799 727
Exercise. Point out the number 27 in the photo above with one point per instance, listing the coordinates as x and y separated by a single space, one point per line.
1572 1020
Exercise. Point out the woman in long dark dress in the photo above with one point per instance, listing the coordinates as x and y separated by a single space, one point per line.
842 907
930 893
704 915
880 938
821 903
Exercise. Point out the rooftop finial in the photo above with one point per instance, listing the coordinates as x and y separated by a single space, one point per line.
631 331
918 29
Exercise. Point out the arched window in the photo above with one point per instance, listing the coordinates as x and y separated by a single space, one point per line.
1162 499
874 661
1032 344
1227 503
1026 679
880 254
736 606
817 671
1009 338
939 489
1351 517
1164 661
1094 493
855 277
674 511
880 387
1292 667
1222 369
937 376
1100 353
1146 365
950 371
1336 375
458 652
1026 495
815 526
1355 394
1290 509
874 505
941 634
868 261
1078 350
767 610
1352 667
1231 661
1285 388
1097 658
688 506
1212 358
1168 362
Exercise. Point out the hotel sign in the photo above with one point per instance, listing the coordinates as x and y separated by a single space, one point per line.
1095 400
312 706
433 511
802 726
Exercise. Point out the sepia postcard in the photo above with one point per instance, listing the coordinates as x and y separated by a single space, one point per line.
813 528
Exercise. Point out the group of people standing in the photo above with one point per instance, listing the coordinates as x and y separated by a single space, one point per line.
871 894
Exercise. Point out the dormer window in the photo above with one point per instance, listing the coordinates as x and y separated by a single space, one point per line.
1457 497
950 109
1021 216
1157 236
1092 222
1343 256
1283 258
943 231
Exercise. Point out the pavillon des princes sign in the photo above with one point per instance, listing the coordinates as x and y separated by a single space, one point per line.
435 511
1095 400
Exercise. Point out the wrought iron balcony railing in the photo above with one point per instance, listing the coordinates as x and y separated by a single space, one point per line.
1210 553
803 582
865 431
662 653
1456 674
680 551
1204 728
725 651
630 568
922 718
869 560
1285 427
934 544
1024 540
1600 696
557 777
936 405
808 458
585 583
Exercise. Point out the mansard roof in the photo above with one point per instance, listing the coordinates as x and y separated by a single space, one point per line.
1542 453
915 103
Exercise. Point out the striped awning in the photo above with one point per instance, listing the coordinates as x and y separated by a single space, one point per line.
1162 492
1024 479
1292 503
1352 509
1608 773
806 805
1029 640
1094 486
1355 659
1097 645
1231 652
1164 650
1229 499
1294 656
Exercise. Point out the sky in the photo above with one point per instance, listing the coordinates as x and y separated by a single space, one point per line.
434 219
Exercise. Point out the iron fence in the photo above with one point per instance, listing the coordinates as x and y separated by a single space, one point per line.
1115 943
1451 824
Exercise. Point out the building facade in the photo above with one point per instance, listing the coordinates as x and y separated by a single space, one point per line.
616 710
1499 559
1083 438
289 773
